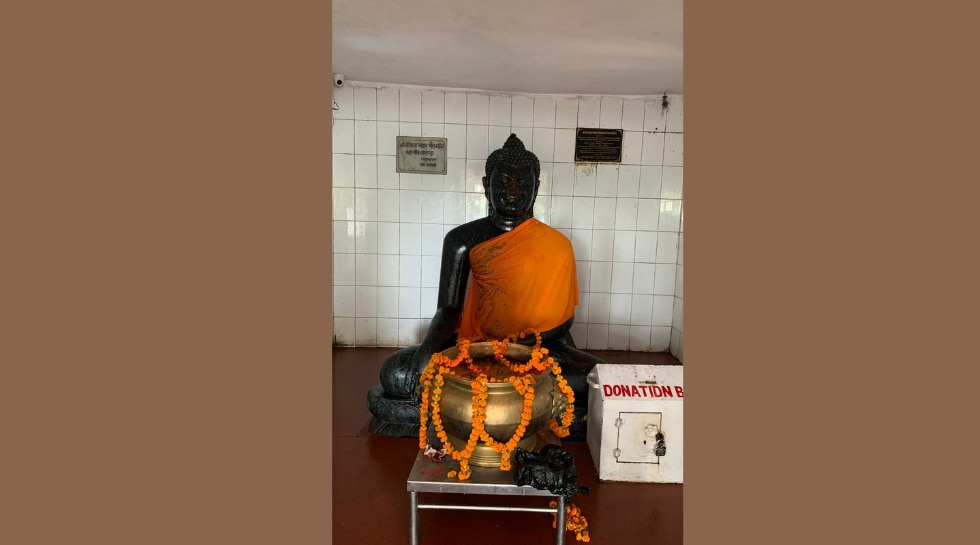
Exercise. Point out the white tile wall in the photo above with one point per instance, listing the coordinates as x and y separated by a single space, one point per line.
566 113
433 107
522 111
625 220
388 104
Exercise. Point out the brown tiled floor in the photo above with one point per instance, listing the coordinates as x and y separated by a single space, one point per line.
370 500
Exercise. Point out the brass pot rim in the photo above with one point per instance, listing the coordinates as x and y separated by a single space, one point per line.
485 348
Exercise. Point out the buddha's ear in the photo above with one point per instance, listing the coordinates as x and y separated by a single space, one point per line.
486 194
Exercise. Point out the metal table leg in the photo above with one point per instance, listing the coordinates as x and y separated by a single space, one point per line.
559 522
413 500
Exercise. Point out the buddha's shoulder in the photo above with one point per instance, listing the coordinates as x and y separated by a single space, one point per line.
471 233
546 230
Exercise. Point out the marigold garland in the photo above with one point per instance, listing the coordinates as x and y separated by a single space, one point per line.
574 521
523 380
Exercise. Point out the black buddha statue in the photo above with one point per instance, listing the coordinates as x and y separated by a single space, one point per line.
523 276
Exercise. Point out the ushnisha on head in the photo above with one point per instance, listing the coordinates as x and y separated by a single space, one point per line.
515 154
512 179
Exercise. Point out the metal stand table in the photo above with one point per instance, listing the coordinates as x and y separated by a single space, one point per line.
430 476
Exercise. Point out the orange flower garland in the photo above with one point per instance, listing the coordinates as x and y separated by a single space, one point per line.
574 522
523 381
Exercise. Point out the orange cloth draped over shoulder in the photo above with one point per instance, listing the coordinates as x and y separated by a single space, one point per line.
523 278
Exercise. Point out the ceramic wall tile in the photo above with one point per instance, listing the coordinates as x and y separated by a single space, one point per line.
543 144
624 246
672 183
544 112
588 112
674 121
366 331
366 301
410 105
434 130
566 113
387 302
343 269
607 180
410 273
455 141
499 111
388 104
387 331
433 106
603 244
366 237
409 128
619 337
622 278
343 136
343 107
343 238
654 116
388 240
611 113
640 338
564 145
653 148
343 170
477 109
522 111
598 336
673 149
477 142
455 108
666 247
366 104
388 177
387 133
659 339
410 239
633 114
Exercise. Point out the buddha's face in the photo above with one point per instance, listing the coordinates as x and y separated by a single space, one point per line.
511 190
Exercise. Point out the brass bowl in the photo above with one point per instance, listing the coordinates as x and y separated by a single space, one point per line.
504 406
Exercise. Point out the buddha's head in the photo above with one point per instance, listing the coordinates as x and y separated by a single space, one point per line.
512 179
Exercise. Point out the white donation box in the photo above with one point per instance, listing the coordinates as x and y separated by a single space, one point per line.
636 422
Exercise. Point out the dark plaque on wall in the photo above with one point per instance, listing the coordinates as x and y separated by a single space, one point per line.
598 145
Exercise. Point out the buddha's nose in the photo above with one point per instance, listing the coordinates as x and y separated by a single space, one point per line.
513 189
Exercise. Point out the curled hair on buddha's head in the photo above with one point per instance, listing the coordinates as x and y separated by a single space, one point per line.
513 153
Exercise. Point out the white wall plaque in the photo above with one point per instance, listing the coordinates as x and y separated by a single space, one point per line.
420 155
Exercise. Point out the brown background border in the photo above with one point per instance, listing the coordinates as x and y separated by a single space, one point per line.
828 298
166 265
166 273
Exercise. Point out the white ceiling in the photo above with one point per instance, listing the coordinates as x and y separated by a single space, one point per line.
582 47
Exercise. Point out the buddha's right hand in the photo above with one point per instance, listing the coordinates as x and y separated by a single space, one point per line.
421 359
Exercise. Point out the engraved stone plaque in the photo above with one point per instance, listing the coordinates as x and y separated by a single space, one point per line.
422 155
599 145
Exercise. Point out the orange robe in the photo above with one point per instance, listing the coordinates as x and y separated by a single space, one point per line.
523 278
